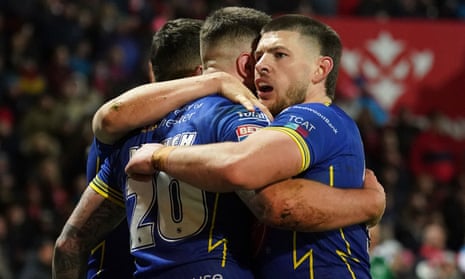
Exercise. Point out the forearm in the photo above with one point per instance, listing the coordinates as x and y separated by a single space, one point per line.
304 205
216 167
146 104
203 166
263 158
89 223
70 255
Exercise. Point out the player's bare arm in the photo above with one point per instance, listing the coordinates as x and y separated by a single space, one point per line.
146 104
296 204
306 205
91 220
223 167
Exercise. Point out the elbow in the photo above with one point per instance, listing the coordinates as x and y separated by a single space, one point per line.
101 120
73 241
270 216
61 245
66 246
104 125
69 249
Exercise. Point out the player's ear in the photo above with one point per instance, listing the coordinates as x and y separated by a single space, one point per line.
245 65
151 73
198 70
324 67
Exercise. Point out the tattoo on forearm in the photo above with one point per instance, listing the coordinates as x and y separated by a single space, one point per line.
68 257
75 243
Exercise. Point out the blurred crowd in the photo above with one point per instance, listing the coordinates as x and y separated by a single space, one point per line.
60 60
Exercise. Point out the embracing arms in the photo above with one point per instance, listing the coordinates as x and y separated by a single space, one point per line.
223 167
306 205
297 204
148 103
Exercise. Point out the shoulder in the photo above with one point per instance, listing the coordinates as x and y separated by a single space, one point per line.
314 112
313 117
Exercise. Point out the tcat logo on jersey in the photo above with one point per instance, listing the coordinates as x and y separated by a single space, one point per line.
183 139
244 131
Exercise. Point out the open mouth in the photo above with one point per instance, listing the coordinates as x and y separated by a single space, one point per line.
265 88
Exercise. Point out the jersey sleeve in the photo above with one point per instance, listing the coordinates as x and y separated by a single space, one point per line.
311 127
98 151
103 183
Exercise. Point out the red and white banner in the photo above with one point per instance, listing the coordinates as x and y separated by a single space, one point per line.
415 63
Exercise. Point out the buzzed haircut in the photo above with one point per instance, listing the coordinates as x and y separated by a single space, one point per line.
327 39
232 23
175 51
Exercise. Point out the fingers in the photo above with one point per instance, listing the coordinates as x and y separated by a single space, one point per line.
264 109
250 102
369 171
246 102
371 181
137 171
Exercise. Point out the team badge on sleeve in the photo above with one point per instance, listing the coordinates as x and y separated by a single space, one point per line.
296 127
244 131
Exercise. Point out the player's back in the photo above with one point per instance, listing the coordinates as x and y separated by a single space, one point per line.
178 231
334 150
110 258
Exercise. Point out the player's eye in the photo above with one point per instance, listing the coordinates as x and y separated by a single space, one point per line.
280 54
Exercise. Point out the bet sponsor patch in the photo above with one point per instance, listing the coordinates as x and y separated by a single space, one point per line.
243 131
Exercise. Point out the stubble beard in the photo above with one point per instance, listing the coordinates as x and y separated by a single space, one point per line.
295 94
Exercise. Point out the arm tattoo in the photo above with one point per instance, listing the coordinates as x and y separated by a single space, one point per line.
73 246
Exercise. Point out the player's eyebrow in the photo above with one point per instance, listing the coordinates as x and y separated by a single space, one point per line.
271 49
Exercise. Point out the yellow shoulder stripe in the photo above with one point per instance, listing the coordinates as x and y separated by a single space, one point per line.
107 192
301 144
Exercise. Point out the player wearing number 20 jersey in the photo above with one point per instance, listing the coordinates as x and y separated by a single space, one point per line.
176 230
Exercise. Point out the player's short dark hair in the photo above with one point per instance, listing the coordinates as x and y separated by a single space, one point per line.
175 51
232 23
328 40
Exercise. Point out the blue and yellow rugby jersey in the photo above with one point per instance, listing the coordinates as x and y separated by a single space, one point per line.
333 154
178 231
110 258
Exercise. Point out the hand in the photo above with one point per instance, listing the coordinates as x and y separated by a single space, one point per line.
140 165
372 183
233 89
